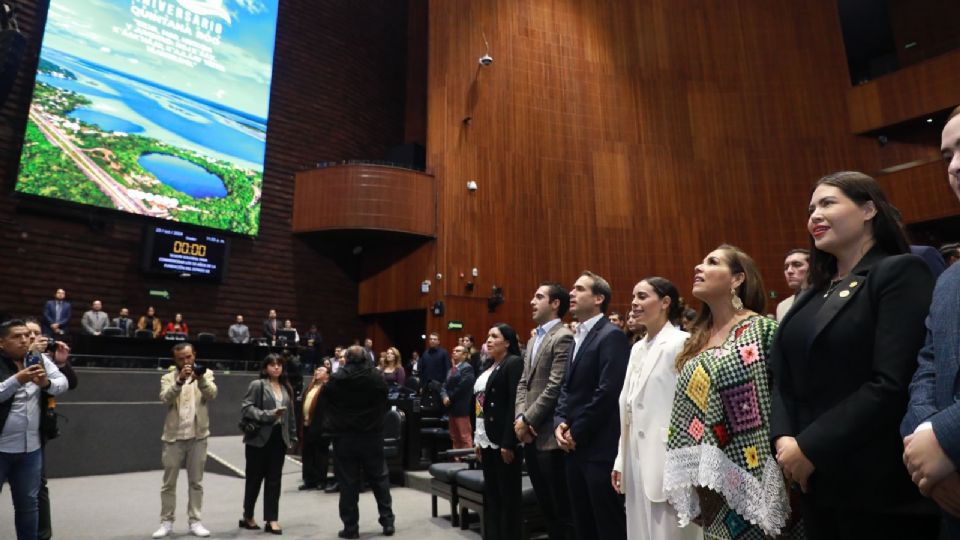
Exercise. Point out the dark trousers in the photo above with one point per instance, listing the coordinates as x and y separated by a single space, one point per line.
45 531
360 457
265 465
549 478
501 496
822 523
599 513
316 460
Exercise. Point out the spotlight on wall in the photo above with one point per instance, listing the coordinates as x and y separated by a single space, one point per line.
486 59
472 185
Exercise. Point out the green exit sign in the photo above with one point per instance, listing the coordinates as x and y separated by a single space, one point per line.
454 325
157 293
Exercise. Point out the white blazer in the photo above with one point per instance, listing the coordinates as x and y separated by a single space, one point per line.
649 387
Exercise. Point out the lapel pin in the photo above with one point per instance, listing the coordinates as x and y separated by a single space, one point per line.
844 294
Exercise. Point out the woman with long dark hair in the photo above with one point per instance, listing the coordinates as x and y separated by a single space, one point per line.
842 363
648 391
719 468
269 401
495 441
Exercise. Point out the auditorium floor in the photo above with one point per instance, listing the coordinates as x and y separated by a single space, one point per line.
126 507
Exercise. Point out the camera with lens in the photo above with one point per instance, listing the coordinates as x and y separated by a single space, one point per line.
199 370
51 346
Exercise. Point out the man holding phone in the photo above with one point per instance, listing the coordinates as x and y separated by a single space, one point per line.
24 375
185 391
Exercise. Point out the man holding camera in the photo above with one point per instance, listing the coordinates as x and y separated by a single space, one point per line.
24 376
186 392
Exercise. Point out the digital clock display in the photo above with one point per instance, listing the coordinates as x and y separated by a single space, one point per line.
180 252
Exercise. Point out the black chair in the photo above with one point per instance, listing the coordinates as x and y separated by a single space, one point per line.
470 490
112 331
442 484
206 337
143 334
434 436
393 425
413 383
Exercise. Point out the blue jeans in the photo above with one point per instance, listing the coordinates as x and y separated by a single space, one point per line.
22 472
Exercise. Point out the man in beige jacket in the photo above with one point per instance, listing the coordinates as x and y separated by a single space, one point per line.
186 392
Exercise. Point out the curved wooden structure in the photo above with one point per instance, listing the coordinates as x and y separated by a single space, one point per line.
366 197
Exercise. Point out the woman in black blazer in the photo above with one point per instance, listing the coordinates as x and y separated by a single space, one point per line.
842 361
501 465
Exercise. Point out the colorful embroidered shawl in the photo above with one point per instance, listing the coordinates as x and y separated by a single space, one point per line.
720 432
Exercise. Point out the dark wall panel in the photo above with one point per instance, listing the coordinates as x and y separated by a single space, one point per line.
338 93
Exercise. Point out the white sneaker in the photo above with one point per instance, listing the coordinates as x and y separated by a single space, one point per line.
197 529
166 527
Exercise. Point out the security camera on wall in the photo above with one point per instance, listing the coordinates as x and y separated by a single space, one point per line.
486 60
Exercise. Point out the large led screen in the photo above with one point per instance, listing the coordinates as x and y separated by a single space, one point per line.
154 107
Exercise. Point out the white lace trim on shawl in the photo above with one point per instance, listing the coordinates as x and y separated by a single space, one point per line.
763 502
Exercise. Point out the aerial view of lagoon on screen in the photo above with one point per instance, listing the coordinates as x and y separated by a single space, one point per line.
154 107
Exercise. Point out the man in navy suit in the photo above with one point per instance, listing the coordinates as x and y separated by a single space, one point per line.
587 417
56 314
931 428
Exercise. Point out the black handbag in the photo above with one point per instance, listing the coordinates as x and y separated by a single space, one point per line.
249 426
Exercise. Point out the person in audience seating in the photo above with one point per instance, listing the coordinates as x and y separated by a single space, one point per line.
544 365
842 363
616 319
795 268
457 397
586 419
95 319
239 332
177 325
288 326
496 444
645 402
950 253
150 322
931 426
124 323
269 402
56 314
393 371
719 461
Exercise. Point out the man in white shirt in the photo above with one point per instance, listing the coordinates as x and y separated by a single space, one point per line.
24 376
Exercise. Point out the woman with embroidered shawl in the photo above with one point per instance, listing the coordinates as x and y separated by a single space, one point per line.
720 470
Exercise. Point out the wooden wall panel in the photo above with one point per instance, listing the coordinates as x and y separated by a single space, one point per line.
921 193
358 196
329 102
922 89
627 137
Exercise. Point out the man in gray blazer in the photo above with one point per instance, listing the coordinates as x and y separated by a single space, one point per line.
931 428
544 365
95 319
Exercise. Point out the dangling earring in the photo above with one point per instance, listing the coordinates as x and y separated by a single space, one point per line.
735 301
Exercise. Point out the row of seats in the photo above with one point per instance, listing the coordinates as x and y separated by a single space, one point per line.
461 484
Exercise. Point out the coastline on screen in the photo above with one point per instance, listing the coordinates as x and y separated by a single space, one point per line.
154 107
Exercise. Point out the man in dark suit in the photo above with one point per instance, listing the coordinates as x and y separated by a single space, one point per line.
124 323
271 326
368 352
544 364
354 402
434 365
587 418
56 314
931 427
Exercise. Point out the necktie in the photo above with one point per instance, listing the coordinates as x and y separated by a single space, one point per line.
57 312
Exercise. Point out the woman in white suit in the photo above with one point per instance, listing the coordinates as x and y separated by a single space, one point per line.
645 404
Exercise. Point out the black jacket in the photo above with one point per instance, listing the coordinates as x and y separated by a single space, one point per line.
845 401
459 388
354 401
499 400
